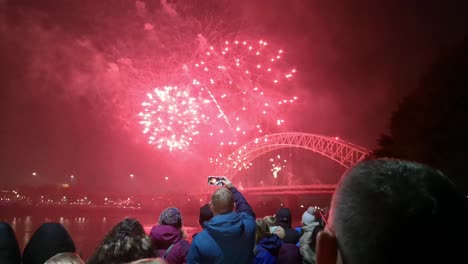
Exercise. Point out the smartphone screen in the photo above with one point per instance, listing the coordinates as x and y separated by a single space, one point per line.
215 180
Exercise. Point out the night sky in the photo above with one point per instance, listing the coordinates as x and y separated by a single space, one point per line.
63 112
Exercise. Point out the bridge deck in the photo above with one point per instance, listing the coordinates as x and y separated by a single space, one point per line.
288 190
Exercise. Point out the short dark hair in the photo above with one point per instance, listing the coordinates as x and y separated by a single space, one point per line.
394 211
222 201
205 214
126 242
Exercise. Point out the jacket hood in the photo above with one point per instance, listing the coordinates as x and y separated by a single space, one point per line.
165 235
283 217
272 244
225 227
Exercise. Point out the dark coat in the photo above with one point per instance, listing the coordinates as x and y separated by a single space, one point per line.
267 249
289 254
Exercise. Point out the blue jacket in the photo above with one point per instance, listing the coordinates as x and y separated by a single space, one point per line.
227 238
266 251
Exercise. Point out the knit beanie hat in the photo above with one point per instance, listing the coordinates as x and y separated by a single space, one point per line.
171 216
308 216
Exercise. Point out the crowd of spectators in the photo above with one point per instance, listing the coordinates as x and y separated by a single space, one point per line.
383 211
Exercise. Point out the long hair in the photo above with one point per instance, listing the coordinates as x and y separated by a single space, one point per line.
126 242
262 230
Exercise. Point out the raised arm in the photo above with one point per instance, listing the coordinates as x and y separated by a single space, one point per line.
242 206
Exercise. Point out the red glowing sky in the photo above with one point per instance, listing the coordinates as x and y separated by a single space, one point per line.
74 74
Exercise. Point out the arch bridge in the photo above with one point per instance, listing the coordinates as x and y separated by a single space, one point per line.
344 153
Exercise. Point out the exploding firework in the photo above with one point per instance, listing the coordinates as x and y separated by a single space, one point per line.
234 92
171 117
247 83
277 164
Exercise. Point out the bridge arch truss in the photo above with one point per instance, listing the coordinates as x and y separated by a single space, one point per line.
344 153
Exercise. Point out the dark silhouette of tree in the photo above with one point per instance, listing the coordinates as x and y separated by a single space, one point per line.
431 124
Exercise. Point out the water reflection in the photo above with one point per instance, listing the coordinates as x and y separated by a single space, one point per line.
28 229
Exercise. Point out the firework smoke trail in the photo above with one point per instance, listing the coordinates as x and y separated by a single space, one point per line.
221 112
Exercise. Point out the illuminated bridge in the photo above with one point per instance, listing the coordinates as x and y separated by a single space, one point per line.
343 153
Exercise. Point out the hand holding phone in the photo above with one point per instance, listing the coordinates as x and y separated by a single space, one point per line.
226 182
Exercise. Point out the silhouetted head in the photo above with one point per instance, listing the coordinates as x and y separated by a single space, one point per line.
49 240
205 214
393 211
9 249
222 201
126 242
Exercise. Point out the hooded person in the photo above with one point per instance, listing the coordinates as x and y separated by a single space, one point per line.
49 240
168 237
289 252
284 219
229 237
310 229
9 249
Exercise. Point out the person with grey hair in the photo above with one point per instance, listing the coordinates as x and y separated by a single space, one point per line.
391 211
229 237
65 258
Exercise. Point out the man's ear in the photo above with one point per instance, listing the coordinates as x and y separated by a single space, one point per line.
327 248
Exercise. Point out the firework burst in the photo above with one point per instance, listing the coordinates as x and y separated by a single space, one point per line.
171 117
277 164
236 91
247 83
